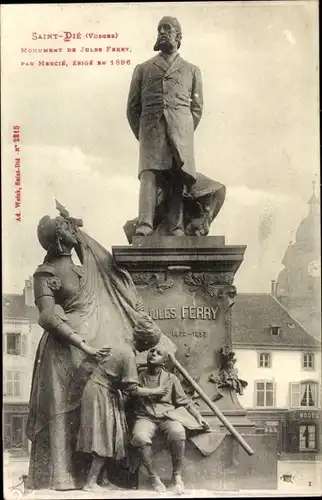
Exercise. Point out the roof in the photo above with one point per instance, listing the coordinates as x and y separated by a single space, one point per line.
252 316
14 306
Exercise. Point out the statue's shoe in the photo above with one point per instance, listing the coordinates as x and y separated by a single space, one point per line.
95 488
143 231
110 486
177 232
158 485
177 485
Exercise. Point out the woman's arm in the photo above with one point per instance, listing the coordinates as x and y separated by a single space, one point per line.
52 317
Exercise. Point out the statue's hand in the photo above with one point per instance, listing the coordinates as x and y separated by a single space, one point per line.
96 354
159 391
201 421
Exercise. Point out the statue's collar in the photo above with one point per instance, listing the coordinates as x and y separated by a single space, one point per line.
174 66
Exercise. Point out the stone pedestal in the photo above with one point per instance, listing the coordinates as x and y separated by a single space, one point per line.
186 284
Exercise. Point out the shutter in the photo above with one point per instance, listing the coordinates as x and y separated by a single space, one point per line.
313 361
294 394
270 393
18 343
17 383
24 344
4 383
9 383
269 360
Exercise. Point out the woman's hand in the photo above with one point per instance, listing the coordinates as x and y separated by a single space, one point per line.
96 354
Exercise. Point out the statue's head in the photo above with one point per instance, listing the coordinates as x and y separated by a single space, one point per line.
157 356
56 234
146 333
169 35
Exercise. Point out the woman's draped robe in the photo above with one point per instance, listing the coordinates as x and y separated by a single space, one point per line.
103 312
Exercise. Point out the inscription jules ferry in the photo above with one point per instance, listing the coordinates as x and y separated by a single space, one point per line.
186 312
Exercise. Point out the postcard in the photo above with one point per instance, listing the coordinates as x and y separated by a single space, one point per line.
161 251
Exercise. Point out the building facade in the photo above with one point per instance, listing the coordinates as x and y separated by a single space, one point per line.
282 364
21 334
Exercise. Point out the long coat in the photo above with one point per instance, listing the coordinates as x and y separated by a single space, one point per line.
164 108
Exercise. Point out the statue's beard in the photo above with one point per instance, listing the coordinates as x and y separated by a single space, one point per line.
165 45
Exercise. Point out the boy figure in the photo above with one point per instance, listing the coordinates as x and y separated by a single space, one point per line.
153 413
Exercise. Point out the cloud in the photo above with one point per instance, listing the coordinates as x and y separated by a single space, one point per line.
105 201
289 37
249 197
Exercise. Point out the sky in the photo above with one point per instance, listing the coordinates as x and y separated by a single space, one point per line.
259 134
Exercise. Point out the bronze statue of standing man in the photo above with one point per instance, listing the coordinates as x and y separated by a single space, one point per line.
164 109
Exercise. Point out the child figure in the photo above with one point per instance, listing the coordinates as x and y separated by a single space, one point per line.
152 414
103 429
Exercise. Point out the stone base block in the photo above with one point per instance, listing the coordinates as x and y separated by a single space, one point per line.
229 468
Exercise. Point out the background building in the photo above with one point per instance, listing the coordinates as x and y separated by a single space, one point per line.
21 334
298 285
277 341
282 364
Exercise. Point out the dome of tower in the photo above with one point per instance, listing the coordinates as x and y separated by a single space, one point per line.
307 231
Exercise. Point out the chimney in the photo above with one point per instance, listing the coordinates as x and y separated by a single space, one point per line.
28 292
274 288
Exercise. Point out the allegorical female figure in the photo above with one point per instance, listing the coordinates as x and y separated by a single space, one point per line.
81 309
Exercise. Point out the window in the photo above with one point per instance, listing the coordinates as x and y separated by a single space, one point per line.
264 360
17 431
308 361
307 440
12 383
275 330
304 394
265 393
14 432
16 344
271 427
260 429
